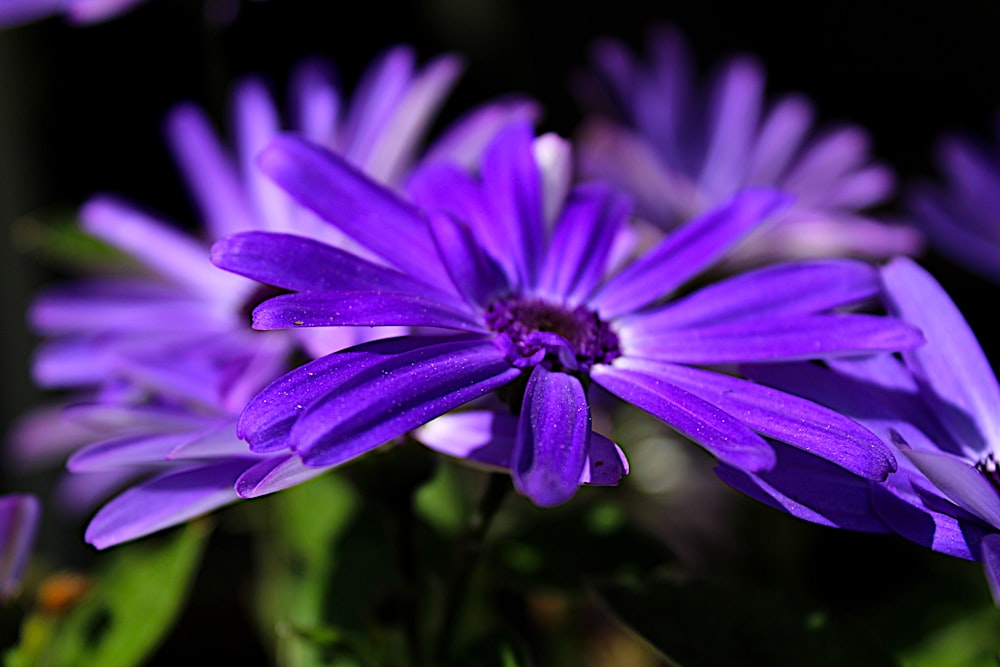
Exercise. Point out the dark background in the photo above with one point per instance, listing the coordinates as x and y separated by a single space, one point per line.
81 107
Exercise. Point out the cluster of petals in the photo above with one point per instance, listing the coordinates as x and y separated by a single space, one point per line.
508 277
169 352
936 406
681 147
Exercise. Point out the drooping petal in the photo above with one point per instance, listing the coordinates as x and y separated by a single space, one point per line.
364 210
809 488
275 473
901 508
960 482
727 438
780 416
787 338
553 438
165 500
686 252
780 290
368 404
581 244
952 364
360 308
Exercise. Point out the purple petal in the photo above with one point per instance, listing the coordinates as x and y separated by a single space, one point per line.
907 516
553 438
787 338
164 501
208 172
780 416
357 308
368 404
606 463
512 184
305 265
476 275
582 242
165 250
727 438
960 482
256 122
19 515
780 136
810 488
315 101
952 364
275 473
792 288
364 210
989 553
686 252
143 449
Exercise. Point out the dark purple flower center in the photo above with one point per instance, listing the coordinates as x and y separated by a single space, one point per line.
531 329
988 466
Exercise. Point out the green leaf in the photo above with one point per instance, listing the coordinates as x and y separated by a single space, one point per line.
698 624
57 240
971 641
135 599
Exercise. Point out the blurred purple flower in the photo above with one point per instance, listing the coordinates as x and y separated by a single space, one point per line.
681 148
15 12
520 266
960 218
938 407
171 355
18 522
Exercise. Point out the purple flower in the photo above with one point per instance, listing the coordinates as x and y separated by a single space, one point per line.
937 407
14 12
514 275
18 523
682 148
960 217
170 353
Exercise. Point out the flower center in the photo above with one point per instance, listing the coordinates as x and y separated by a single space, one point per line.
529 329
988 467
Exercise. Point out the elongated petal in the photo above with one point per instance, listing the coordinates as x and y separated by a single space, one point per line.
952 364
581 245
360 308
209 172
306 265
964 485
315 101
780 290
686 252
256 122
268 417
465 140
774 339
165 250
164 501
127 451
368 405
19 515
990 555
275 473
553 438
476 275
810 488
907 516
364 210
727 438
513 185
803 424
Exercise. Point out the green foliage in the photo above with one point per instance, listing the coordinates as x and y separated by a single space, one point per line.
134 600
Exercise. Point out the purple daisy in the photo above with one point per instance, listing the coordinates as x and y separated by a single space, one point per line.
937 407
681 148
170 354
960 217
522 271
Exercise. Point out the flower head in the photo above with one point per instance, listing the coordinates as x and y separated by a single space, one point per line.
937 407
682 148
521 269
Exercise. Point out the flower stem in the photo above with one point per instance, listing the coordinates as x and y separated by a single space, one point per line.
469 549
